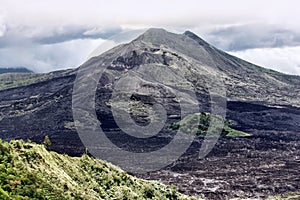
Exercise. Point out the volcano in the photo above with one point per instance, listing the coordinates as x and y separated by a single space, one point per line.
173 71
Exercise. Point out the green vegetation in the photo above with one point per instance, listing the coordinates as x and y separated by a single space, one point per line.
47 142
287 196
198 123
10 80
29 171
230 132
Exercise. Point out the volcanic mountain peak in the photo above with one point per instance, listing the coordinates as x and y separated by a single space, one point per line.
196 38
155 31
194 58
161 38
160 33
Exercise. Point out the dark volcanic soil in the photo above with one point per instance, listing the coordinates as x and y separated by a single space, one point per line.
264 164
239 167
258 166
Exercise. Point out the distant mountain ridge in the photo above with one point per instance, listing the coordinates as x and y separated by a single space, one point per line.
15 70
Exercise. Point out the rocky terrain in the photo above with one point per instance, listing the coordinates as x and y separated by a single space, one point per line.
254 167
262 102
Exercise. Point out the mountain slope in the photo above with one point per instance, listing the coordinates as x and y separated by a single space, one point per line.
29 171
243 80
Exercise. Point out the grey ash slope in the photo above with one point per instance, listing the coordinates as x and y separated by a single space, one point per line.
263 102
244 81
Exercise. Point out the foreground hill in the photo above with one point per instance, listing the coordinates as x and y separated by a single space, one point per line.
29 171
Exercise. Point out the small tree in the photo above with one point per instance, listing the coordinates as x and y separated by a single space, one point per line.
47 142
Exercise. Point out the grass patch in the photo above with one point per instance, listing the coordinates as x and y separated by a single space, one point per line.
198 124
287 196
235 133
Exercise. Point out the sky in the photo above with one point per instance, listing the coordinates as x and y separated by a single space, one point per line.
45 35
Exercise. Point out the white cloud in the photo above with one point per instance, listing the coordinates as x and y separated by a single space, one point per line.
2 23
247 36
43 16
285 59
45 57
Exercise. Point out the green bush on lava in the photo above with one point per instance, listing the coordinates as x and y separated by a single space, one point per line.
198 124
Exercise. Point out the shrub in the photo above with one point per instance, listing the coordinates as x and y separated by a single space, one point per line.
47 142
